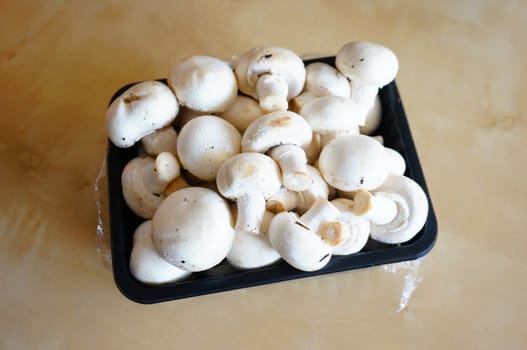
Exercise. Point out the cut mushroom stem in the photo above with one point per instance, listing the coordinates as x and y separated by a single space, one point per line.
272 91
293 163
321 211
283 200
251 210
166 168
334 232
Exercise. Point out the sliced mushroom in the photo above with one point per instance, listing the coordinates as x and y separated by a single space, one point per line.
283 135
204 143
201 234
369 66
272 75
203 83
146 265
353 162
144 181
139 111
249 178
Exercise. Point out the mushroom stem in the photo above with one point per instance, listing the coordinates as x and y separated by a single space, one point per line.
251 211
384 209
160 173
283 200
321 211
334 232
293 164
272 92
364 95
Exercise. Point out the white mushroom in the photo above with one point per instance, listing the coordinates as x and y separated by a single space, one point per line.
192 229
162 140
144 181
242 112
397 164
139 111
272 75
359 228
204 143
353 162
306 242
283 200
373 118
251 250
369 66
284 134
249 178
331 116
203 83
146 265
411 210
324 80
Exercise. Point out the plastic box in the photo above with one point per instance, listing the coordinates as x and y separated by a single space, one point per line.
396 133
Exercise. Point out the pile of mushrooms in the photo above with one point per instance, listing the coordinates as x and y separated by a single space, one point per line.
260 159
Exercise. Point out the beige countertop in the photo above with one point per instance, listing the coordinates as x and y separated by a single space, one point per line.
462 80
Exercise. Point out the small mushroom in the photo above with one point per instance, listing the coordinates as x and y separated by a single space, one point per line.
359 228
283 134
144 181
272 75
369 66
146 265
324 80
192 229
204 143
251 250
411 210
249 178
397 164
242 112
306 242
162 140
203 83
139 111
353 162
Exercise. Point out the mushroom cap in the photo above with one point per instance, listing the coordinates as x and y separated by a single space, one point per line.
324 80
192 229
331 113
415 214
367 62
276 128
246 173
145 263
161 140
359 228
299 246
242 112
203 83
250 250
274 60
397 164
142 201
204 143
139 111
373 118
353 162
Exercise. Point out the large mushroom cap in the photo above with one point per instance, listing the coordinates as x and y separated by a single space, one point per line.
331 114
139 111
192 229
354 162
203 83
324 80
274 129
248 173
367 62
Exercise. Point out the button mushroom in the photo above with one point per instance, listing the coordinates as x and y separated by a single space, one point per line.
162 140
249 178
272 75
353 162
284 135
373 118
411 210
359 228
192 229
145 263
144 181
306 242
139 111
242 112
204 143
369 66
203 83
324 80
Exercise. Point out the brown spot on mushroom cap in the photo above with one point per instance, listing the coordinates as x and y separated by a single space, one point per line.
274 206
281 122
248 170
131 98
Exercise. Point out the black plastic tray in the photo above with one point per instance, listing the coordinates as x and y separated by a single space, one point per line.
396 133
